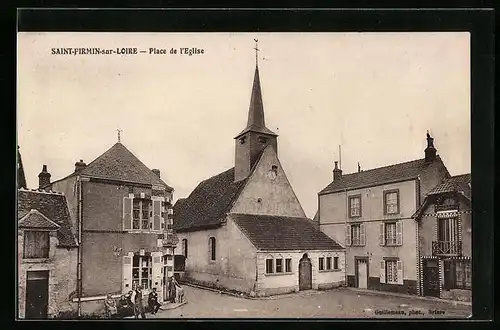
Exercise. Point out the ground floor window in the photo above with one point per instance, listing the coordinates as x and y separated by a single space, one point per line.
142 271
269 266
457 274
391 272
335 262
321 263
288 265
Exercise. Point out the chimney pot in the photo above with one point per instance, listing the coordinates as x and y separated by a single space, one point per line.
43 177
80 165
430 151
337 173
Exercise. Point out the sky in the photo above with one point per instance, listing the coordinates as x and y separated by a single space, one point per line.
375 94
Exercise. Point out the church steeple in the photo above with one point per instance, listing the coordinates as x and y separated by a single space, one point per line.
256 136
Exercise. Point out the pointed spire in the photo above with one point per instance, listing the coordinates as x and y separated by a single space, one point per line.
256 121
21 179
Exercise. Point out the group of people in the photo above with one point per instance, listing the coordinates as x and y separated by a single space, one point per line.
132 302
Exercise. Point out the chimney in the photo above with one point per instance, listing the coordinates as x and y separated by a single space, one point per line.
43 177
156 171
430 151
337 173
80 165
359 168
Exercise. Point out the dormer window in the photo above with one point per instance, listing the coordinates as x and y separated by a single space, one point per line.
262 139
242 140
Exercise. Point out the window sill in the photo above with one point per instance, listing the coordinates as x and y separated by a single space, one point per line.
278 274
357 245
143 231
329 270
37 260
392 245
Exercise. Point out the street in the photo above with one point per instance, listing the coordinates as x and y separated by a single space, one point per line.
338 303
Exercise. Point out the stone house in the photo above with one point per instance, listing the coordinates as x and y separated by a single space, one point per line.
47 254
371 213
245 230
444 223
123 218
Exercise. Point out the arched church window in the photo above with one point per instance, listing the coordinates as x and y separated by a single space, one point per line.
211 243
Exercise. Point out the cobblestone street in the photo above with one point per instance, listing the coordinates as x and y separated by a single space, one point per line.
341 303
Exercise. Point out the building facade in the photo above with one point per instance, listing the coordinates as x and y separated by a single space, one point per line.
245 230
47 254
371 213
123 218
444 223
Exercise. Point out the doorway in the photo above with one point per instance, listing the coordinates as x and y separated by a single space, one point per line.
361 272
431 277
305 273
37 294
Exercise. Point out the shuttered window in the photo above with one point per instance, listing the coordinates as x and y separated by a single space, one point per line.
36 244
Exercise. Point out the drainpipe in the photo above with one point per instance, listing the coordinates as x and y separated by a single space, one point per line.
79 262
345 240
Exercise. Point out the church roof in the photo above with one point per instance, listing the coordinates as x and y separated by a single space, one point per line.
378 176
52 206
278 233
120 164
256 121
208 203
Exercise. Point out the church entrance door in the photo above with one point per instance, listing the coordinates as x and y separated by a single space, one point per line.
305 273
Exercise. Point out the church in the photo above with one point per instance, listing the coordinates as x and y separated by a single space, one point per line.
245 230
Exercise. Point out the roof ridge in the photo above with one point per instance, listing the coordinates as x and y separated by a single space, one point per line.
386 166
42 191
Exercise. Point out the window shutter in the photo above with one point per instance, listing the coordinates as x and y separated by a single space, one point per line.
127 213
362 235
348 235
400 271
156 214
399 233
382 271
127 274
156 271
381 236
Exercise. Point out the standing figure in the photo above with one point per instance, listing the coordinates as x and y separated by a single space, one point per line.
171 289
139 307
153 303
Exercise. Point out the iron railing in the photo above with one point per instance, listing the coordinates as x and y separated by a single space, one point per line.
448 248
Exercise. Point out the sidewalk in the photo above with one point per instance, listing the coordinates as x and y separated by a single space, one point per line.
163 307
382 293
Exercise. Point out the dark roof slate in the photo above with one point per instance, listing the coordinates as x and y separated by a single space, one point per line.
34 219
118 163
377 176
278 233
51 205
457 183
208 203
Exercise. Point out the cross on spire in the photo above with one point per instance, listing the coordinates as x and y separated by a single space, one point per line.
119 131
256 51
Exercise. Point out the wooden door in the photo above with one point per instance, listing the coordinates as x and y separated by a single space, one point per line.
431 278
362 267
305 273
37 294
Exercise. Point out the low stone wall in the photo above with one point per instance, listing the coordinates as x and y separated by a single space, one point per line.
328 286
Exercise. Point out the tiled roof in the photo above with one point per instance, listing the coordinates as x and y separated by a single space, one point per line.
278 233
208 203
118 163
377 176
35 219
51 205
457 183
